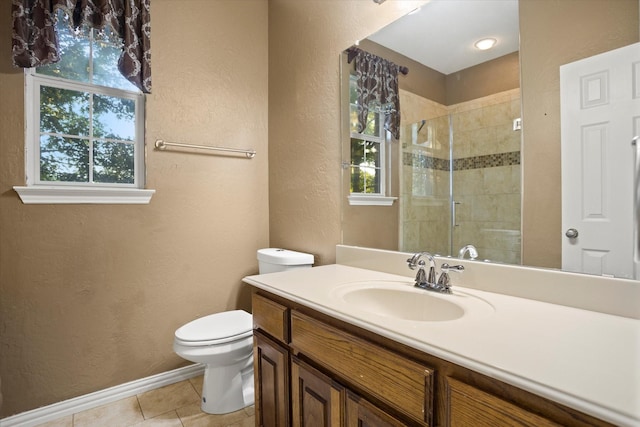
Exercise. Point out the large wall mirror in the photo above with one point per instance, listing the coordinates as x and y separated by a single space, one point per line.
455 175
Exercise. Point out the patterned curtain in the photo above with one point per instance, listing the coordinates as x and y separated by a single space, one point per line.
377 90
35 42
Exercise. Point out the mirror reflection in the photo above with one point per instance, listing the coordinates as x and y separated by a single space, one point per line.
455 169
454 176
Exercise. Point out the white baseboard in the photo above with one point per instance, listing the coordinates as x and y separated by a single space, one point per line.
92 400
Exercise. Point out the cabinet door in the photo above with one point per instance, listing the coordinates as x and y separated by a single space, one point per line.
361 413
469 406
316 400
271 373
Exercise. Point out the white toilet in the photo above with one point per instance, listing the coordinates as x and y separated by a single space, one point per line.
224 343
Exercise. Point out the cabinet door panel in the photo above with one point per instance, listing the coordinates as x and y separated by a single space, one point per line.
271 369
471 406
316 400
361 413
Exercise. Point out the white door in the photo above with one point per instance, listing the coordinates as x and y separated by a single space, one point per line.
600 106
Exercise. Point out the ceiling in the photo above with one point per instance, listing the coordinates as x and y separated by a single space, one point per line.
441 34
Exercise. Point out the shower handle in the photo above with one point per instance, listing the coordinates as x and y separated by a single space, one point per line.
454 219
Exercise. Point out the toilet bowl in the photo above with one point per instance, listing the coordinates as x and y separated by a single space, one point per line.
223 342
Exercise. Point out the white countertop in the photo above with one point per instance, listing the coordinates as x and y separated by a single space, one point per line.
583 359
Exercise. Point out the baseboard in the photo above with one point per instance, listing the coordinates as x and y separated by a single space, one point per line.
99 398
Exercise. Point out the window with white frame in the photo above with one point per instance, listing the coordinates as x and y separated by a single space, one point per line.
368 153
85 125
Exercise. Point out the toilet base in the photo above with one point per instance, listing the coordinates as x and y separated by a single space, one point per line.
228 388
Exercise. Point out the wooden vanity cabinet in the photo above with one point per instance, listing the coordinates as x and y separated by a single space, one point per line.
271 373
314 370
303 369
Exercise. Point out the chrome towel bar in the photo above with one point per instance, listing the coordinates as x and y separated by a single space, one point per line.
162 144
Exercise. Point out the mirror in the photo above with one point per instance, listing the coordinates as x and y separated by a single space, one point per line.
437 168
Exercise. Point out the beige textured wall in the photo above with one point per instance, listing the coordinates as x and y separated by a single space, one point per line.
305 40
90 295
480 80
553 33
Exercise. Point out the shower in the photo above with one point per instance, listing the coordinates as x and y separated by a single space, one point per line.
460 181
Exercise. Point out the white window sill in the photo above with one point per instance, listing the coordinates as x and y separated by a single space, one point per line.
39 194
364 200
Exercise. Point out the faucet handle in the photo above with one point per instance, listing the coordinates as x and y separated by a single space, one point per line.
444 282
412 262
455 268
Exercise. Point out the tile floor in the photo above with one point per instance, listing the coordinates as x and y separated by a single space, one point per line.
175 405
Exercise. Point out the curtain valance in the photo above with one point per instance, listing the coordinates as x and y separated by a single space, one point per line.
377 90
35 43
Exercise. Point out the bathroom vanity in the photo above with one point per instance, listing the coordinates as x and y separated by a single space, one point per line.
340 345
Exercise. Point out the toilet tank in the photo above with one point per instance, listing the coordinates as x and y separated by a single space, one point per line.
271 260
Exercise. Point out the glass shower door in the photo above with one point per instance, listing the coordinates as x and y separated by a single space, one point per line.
461 182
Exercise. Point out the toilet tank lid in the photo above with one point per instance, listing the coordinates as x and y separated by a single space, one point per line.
216 326
284 257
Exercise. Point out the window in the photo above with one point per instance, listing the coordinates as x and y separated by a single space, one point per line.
368 164
85 125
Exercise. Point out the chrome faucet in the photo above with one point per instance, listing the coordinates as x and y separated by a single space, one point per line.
421 277
428 281
473 252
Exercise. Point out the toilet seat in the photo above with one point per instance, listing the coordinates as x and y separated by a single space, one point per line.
218 328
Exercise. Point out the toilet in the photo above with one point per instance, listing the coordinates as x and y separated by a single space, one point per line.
223 342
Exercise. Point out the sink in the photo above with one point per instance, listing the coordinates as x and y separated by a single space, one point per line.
401 300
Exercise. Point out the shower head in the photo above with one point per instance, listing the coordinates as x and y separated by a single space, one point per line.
422 123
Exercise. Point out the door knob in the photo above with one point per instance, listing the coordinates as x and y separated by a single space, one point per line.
571 233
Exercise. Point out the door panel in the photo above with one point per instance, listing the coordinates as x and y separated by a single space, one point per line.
600 109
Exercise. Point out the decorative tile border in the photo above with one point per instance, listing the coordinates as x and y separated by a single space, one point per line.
424 161
487 161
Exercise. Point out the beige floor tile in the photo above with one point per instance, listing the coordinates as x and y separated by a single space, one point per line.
122 413
192 416
60 422
170 419
167 398
197 383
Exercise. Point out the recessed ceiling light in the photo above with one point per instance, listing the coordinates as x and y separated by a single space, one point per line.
485 44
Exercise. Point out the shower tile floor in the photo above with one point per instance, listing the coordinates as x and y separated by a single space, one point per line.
175 405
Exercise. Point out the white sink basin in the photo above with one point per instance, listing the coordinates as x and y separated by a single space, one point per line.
401 300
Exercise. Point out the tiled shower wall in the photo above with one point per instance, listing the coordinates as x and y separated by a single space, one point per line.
486 177
424 193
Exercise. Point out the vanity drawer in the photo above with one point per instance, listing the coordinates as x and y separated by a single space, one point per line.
401 383
471 406
271 317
